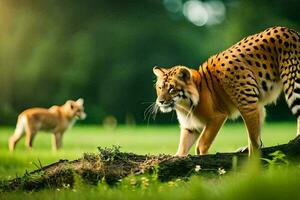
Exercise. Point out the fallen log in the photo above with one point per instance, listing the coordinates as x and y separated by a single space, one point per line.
111 165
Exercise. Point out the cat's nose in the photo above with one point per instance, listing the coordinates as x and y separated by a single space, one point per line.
161 101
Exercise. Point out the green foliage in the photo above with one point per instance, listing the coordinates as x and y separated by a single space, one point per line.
108 154
104 51
277 159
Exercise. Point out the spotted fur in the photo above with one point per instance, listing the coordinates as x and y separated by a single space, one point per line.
240 80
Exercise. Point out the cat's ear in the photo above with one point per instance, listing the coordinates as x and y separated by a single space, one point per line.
80 101
159 71
184 74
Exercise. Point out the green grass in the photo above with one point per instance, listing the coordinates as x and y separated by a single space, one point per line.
150 140
278 183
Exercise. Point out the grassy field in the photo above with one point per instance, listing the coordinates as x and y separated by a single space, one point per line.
151 140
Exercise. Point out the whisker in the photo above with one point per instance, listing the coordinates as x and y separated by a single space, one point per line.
189 112
181 107
151 110
148 111
155 111
189 115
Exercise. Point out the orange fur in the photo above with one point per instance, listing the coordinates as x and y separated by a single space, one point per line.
56 119
240 80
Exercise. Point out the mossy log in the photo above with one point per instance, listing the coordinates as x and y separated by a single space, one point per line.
111 165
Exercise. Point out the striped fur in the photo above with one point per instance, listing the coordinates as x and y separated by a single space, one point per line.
240 80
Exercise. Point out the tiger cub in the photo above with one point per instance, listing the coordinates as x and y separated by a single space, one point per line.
240 80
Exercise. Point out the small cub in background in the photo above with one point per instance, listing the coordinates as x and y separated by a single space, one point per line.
56 119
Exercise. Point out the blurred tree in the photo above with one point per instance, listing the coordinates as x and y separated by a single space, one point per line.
104 51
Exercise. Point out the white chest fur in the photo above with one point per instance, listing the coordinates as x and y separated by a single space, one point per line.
189 121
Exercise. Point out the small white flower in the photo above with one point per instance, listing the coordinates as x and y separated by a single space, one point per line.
221 171
197 168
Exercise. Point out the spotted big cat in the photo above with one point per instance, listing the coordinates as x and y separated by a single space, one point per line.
241 80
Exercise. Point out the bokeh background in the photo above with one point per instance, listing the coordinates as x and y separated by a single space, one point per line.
104 50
